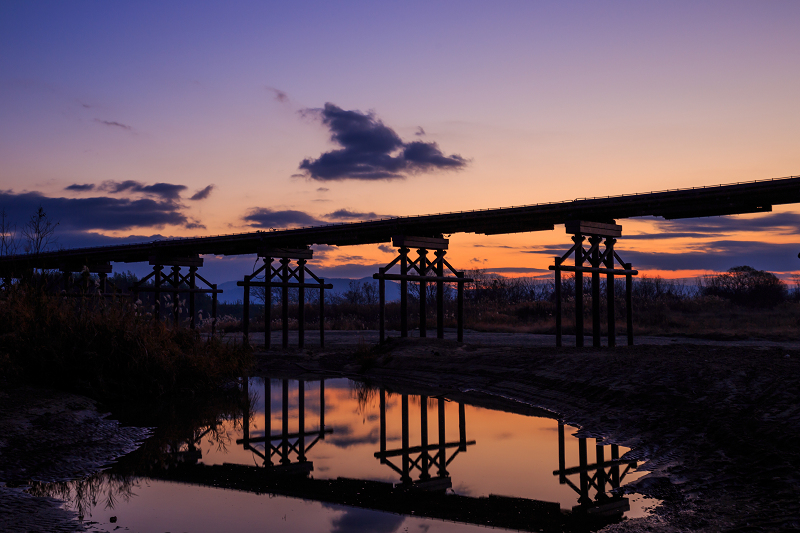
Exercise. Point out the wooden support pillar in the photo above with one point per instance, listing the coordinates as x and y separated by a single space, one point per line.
578 240
268 303
423 431
322 315
301 303
440 294
285 300
103 283
382 306
176 296
557 296
595 241
612 324
404 292
460 309
629 303
192 301
423 293
246 312
214 310
157 291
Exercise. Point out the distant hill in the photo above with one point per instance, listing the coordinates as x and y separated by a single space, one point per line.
233 293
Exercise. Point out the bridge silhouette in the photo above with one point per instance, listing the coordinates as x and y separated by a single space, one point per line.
594 218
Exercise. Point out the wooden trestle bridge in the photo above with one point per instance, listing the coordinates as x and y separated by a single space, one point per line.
594 218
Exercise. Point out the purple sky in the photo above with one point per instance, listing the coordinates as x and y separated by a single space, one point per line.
194 118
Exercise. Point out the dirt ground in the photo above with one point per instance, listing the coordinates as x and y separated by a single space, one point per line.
47 435
718 424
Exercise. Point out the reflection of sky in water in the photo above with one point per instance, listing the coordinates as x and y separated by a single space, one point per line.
513 455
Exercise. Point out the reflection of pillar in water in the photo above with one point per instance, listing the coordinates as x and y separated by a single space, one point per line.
601 472
246 416
562 455
322 407
442 449
406 458
285 424
462 428
615 469
383 425
267 421
301 399
423 422
584 472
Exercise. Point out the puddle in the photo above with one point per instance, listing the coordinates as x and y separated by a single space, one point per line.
337 456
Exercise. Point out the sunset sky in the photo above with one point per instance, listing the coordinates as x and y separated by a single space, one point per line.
132 120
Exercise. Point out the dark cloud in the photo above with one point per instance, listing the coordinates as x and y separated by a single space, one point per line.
194 224
343 437
784 223
114 124
202 194
715 255
279 95
676 235
262 217
322 189
388 249
345 214
167 191
97 213
420 132
364 521
527 270
79 187
371 151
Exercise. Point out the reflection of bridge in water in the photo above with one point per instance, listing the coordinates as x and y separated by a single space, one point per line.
285 469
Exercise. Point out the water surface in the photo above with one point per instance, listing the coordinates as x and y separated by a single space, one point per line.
338 456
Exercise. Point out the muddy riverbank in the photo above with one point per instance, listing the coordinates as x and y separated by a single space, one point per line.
47 435
717 425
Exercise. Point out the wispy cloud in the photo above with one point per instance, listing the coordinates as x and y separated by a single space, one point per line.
202 194
113 124
370 150
79 187
279 95
345 214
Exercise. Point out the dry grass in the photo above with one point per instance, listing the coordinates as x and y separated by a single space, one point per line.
107 349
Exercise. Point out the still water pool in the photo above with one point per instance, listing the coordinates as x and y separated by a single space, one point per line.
335 455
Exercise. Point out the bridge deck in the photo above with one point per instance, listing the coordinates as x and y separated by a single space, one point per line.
749 197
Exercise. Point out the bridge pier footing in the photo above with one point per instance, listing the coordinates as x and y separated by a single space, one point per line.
423 271
600 262
173 284
284 277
